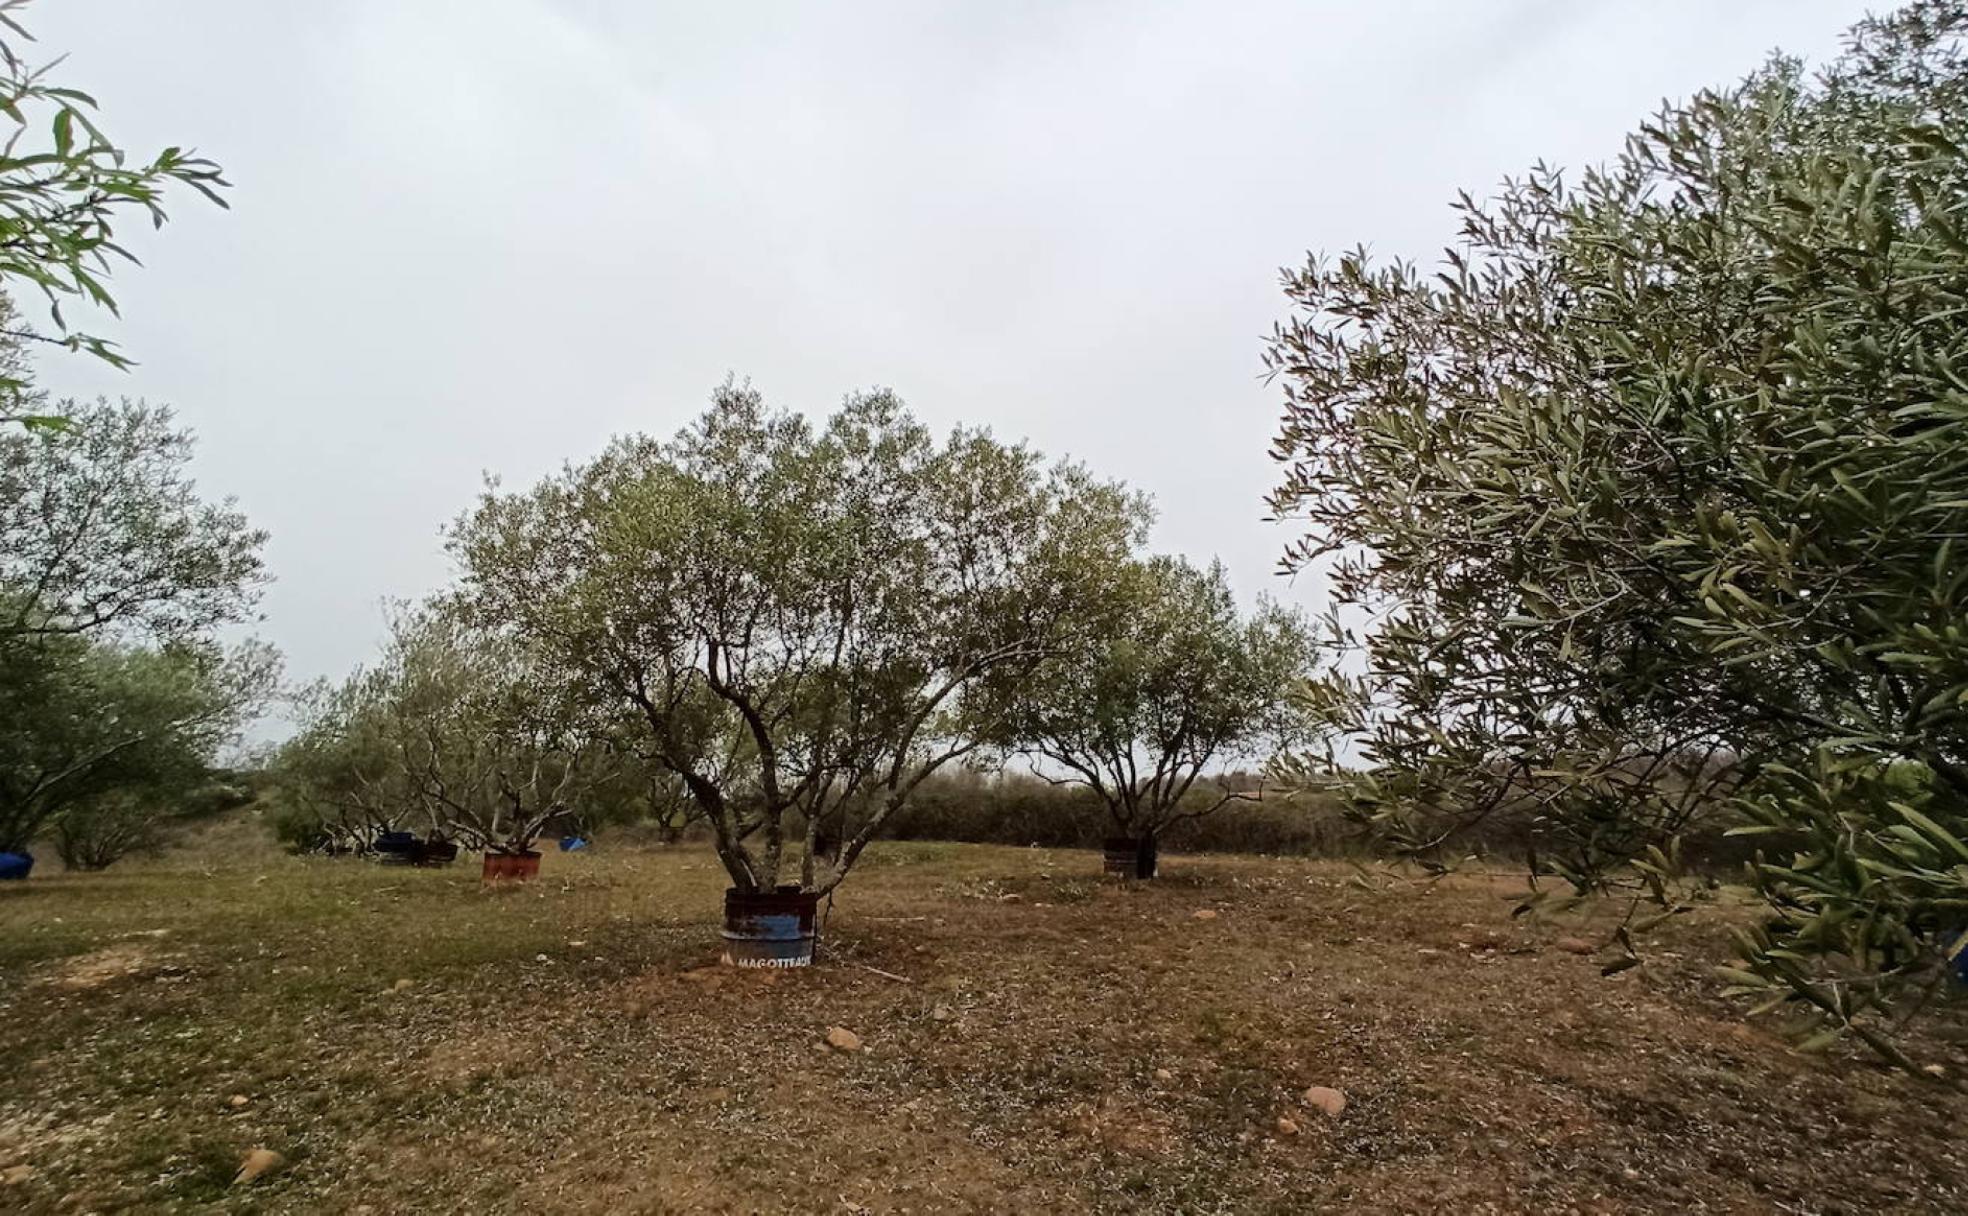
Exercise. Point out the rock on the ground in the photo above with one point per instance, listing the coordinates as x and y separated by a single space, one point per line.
1575 945
238 1101
404 985
840 1038
1287 1126
1205 914
1327 1100
258 1164
1164 1075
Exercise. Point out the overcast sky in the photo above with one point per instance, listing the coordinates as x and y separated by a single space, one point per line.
484 236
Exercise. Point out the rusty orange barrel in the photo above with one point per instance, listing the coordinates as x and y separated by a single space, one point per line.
515 867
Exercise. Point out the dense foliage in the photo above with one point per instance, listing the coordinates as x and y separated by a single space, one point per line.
1652 505
143 817
84 723
114 574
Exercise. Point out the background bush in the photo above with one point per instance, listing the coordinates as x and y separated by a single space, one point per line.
1020 809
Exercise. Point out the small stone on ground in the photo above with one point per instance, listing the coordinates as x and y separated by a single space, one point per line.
840 1038
258 1164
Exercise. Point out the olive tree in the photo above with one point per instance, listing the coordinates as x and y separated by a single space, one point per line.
338 778
493 752
88 725
1177 682
798 615
1649 505
141 817
114 576
453 730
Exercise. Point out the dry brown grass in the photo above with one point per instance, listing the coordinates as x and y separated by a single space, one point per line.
1061 1044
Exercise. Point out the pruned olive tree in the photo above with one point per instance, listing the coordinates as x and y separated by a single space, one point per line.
798 615
491 750
453 731
1176 683
338 778
1651 505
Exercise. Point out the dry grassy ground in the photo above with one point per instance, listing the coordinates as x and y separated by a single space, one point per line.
1055 1043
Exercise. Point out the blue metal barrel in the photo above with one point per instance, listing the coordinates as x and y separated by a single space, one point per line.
769 928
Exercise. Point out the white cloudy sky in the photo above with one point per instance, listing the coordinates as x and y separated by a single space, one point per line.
476 236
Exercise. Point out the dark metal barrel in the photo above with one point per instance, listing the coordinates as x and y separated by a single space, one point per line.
395 848
435 852
1126 857
769 928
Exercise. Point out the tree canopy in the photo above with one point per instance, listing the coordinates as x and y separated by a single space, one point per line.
102 529
1651 502
85 723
